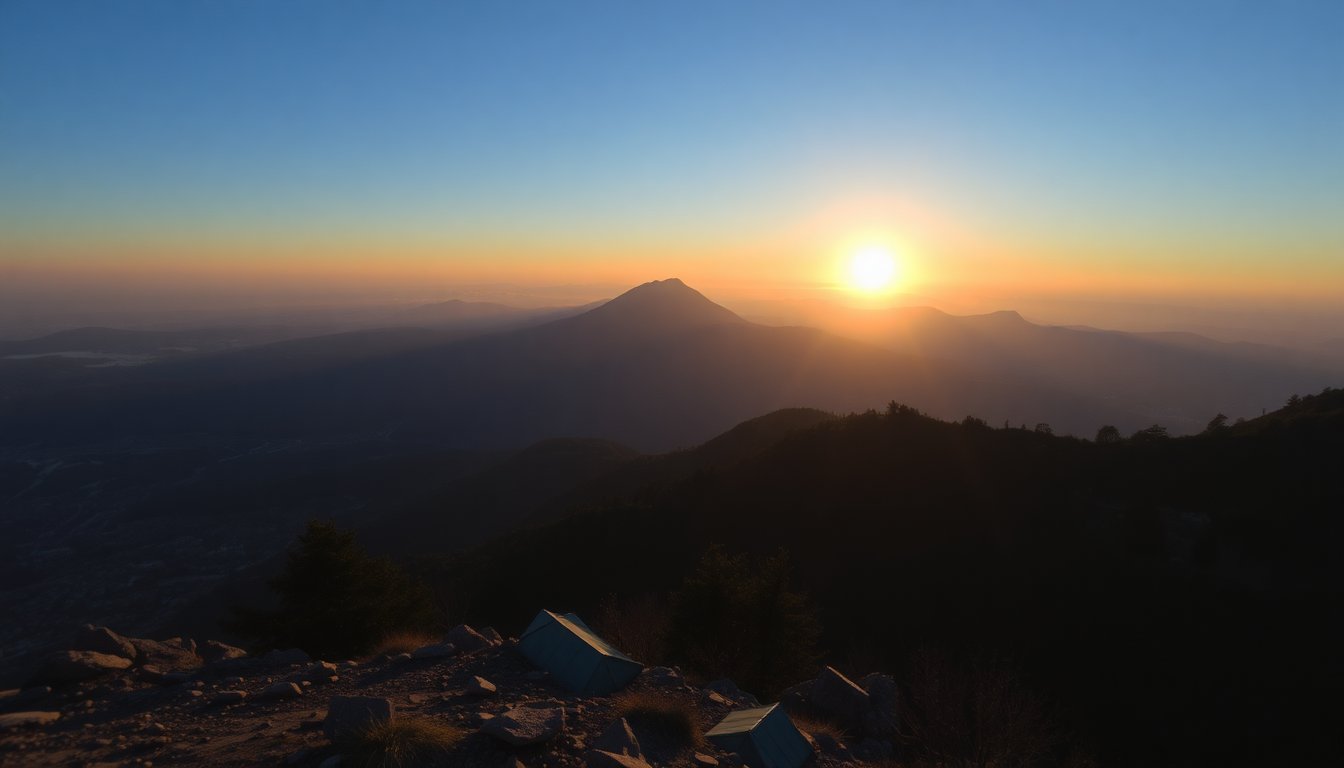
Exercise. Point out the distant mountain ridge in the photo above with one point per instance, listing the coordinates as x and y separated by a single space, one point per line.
658 367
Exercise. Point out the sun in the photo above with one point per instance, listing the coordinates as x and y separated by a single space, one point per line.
872 268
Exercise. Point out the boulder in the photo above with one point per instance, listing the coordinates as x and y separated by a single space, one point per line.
883 716
151 673
103 640
619 739
839 697
185 643
479 686
729 690
347 715
600 759
64 667
20 719
522 726
797 697
702 760
230 697
663 677
436 651
466 639
213 652
281 691
491 634
165 656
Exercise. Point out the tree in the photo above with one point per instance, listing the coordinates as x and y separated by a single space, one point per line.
737 616
335 600
1155 432
1216 424
1044 429
1108 435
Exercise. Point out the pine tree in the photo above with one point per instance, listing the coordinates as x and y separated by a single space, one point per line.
336 601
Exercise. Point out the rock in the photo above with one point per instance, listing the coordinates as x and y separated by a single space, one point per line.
600 759
165 656
619 739
150 673
467 640
19 719
281 691
729 690
103 640
704 761
479 686
213 652
664 677
186 644
347 715
840 697
400 658
230 697
713 699
828 744
280 658
884 695
521 726
489 633
797 697
437 651
65 667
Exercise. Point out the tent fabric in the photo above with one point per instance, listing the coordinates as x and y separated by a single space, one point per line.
764 737
575 656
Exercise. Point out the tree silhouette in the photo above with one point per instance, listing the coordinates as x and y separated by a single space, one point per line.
737 616
335 600
1216 424
1108 435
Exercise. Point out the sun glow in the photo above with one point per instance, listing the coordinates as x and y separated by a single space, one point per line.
872 269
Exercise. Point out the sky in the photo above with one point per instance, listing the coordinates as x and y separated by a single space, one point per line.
1183 153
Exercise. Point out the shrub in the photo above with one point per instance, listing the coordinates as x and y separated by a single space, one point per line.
638 626
672 720
974 713
401 742
818 726
403 641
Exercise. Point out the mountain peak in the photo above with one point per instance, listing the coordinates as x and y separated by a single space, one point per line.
665 304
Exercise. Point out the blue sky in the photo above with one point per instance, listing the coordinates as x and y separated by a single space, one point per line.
1041 125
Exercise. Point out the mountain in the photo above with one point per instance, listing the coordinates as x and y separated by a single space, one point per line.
1177 598
1170 378
657 367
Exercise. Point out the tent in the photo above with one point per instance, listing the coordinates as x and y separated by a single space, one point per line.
764 737
574 655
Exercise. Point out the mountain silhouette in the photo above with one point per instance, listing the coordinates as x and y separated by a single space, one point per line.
657 367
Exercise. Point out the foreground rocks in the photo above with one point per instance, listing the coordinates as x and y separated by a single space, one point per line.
522 726
285 709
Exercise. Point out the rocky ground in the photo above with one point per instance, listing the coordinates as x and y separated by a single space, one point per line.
114 701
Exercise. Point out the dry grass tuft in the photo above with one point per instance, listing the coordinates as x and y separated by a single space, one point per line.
403 641
402 742
817 726
674 720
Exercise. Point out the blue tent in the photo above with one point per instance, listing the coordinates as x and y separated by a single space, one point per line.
764 737
575 656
